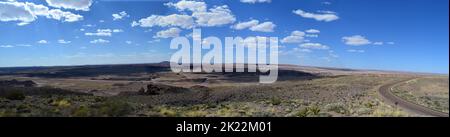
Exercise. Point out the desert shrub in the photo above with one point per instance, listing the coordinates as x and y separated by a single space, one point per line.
337 107
195 113
167 112
15 95
82 111
314 110
302 112
363 111
62 103
227 111
308 111
380 112
8 113
275 101
115 108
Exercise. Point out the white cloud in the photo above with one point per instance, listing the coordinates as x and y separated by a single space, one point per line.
88 25
174 20
302 50
120 15
6 46
103 32
24 45
99 41
327 17
128 42
390 43
244 25
295 37
171 32
254 25
356 40
326 12
42 42
117 30
256 1
63 15
378 43
314 46
264 27
26 12
71 4
217 16
16 11
312 31
326 3
154 41
355 51
312 35
194 6
62 41
135 23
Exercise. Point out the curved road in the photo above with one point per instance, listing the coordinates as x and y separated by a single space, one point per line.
385 92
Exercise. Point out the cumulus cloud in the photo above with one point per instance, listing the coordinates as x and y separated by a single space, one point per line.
194 6
355 40
103 32
390 43
173 20
302 50
327 17
254 25
42 42
217 16
256 1
171 32
295 37
312 35
245 25
120 15
62 41
264 27
99 41
314 46
71 4
26 12
312 31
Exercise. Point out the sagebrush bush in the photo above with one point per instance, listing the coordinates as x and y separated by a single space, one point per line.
115 108
15 95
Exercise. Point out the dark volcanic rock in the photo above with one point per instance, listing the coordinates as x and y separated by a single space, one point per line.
16 83
156 89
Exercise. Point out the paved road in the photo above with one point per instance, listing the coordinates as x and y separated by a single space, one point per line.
385 92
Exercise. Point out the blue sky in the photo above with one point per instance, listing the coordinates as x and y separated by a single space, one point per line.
362 34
